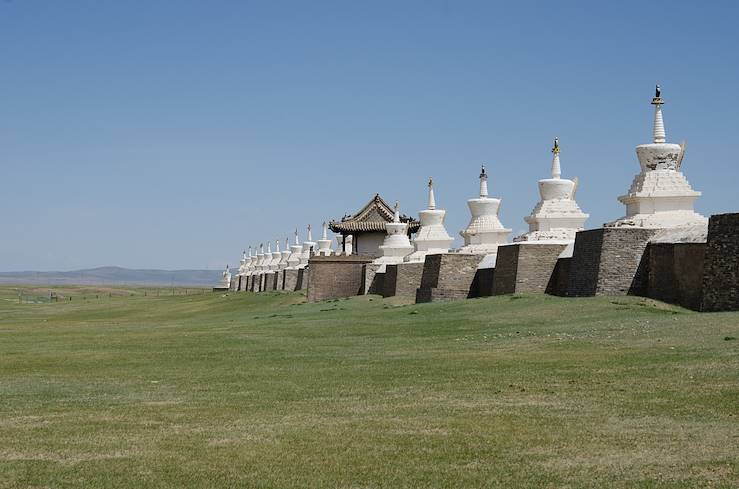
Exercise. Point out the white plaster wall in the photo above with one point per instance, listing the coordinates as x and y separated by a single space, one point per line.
369 244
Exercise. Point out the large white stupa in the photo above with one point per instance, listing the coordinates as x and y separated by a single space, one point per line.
485 232
324 244
660 195
556 217
296 250
432 237
397 244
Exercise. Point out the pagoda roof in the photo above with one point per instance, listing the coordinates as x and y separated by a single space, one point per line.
372 217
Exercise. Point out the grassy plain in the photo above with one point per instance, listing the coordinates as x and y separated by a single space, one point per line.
266 391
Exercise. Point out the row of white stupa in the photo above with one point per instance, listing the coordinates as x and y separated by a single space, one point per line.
660 197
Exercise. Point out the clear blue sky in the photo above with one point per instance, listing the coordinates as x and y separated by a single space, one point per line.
172 134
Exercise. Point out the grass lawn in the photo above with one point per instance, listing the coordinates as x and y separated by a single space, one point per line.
126 390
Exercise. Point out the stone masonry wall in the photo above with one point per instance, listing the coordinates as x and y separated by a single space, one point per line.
560 276
402 280
482 285
290 280
610 261
721 269
331 277
676 273
525 267
448 276
373 281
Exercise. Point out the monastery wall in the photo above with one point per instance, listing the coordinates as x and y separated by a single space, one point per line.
525 267
447 276
560 277
676 273
331 277
373 281
721 273
482 284
402 280
609 261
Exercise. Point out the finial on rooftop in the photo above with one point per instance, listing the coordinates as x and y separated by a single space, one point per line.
269 246
278 245
297 240
659 124
556 170
396 214
310 237
249 250
325 230
261 248
483 182
432 201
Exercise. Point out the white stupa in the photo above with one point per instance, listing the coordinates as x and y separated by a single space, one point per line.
274 265
260 259
226 278
293 262
250 260
556 217
397 245
242 264
324 244
432 237
308 248
285 255
267 258
660 195
485 232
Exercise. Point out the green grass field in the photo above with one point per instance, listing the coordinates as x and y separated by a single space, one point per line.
265 391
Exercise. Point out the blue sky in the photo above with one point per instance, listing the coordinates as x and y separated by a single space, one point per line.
172 134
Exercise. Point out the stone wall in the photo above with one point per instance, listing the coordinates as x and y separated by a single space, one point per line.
560 277
447 276
373 281
402 280
525 267
721 269
331 277
609 261
482 284
676 273
290 279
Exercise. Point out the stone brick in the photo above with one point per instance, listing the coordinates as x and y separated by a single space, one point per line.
450 274
482 284
290 279
721 269
331 277
373 281
525 267
402 280
610 261
676 273
560 277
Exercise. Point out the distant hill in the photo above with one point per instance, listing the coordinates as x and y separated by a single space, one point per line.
114 276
